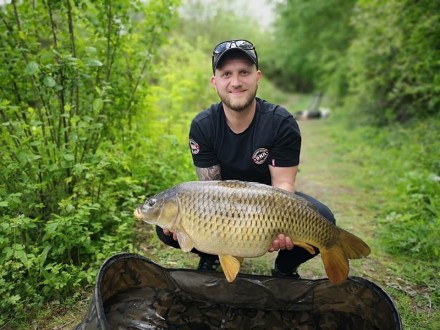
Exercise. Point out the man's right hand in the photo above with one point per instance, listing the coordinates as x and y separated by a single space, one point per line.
281 242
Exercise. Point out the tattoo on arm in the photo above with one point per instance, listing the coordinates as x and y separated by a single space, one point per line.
209 173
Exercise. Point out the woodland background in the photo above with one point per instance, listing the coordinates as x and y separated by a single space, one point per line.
96 98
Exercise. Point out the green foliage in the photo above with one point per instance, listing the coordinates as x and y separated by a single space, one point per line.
181 90
310 40
270 92
216 21
182 87
73 77
379 58
394 61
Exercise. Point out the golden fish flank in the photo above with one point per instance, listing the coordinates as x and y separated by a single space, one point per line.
236 219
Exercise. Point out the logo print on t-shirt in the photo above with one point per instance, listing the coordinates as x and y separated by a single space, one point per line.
260 155
195 148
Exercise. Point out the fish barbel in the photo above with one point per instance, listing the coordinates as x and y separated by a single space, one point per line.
237 219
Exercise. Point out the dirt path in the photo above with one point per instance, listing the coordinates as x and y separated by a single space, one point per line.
324 176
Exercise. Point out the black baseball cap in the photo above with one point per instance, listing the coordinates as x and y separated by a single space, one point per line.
239 46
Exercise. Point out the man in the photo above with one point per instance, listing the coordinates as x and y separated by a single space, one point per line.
246 138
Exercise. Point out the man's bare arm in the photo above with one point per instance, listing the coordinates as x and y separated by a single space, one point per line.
209 173
284 178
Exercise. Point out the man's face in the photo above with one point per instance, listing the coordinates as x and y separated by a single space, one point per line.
236 83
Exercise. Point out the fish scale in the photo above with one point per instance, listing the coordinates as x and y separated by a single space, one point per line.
220 209
241 219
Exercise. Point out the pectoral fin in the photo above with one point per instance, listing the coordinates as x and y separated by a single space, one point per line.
185 242
230 266
305 246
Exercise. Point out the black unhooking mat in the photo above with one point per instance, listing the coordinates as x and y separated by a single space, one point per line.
133 292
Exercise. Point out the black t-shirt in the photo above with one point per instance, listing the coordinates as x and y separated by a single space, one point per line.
273 138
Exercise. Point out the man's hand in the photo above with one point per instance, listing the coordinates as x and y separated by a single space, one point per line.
169 233
282 242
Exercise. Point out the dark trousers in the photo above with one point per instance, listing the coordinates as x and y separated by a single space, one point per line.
287 260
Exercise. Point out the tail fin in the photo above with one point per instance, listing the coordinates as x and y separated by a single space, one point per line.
336 258
335 264
353 246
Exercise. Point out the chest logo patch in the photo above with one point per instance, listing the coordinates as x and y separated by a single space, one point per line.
195 148
260 155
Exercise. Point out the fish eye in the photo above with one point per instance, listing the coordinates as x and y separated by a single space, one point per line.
151 202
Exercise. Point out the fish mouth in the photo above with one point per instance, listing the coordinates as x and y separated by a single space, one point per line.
137 213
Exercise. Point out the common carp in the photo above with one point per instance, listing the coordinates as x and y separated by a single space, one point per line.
237 219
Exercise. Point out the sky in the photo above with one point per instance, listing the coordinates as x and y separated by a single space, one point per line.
261 9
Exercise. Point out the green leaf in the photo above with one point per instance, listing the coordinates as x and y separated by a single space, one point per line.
44 254
97 104
21 255
30 158
69 157
49 81
17 247
7 251
94 62
78 169
74 120
4 204
31 68
90 50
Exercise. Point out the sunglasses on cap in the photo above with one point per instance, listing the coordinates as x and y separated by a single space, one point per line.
225 45
243 45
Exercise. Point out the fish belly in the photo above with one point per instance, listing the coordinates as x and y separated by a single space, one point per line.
230 240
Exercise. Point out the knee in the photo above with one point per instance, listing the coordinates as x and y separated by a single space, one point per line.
323 209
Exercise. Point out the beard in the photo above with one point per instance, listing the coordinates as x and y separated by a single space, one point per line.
238 105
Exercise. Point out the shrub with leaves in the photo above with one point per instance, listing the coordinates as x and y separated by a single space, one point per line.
394 61
72 76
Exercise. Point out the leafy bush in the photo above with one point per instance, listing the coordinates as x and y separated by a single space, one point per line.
379 58
394 60
73 77
311 39
51 258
